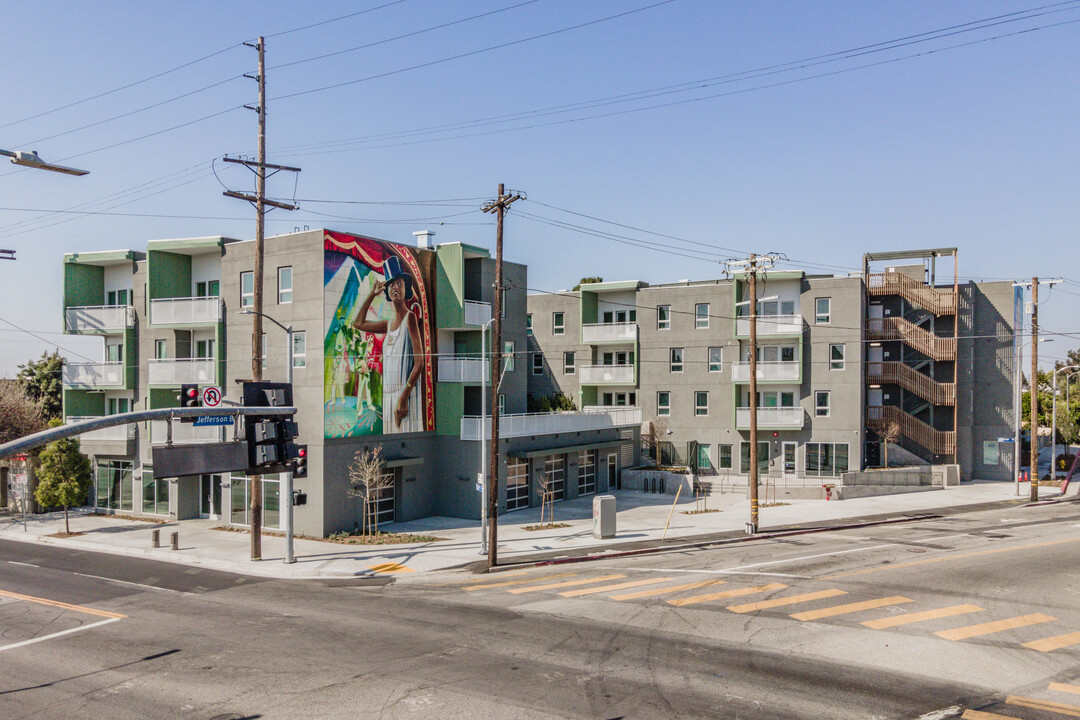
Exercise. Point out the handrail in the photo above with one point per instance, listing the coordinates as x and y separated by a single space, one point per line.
939 442
912 380
939 302
926 342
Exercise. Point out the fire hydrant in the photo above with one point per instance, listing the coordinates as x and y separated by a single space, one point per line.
828 491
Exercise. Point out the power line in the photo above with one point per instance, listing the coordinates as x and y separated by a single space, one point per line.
334 20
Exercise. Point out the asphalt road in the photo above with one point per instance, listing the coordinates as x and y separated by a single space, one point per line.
974 613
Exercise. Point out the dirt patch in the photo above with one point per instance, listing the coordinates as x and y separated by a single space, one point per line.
65 534
775 504
129 518
343 538
700 512
548 526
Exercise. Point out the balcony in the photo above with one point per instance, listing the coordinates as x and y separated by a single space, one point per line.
602 333
93 375
771 418
477 313
116 440
98 318
185 311
767 372
185 432
176 372
596 418
606 374
770 325
463 370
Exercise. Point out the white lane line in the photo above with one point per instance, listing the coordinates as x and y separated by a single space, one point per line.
128 582
57 634
16 562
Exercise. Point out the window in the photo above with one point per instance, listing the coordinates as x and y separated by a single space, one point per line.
608 317
537 364
723 457
568 363
762 457
502 303
119 298
517 483
114 353
114 485
555 476
207 288
821 403
823 307
676 360
247 289
663 403
787 399
716 356
826 459
701 316
284 284
118 406
528 324
663 317
701 403
204 349
704 457
155 493
508 356
836 357
586 472
299 349
557 323
787 307
161 349
502 404
263 351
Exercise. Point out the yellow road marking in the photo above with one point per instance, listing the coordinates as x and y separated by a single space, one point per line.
482 586
1060 708
390 567
963 633
1054 643
1062 687
619 586
569 583
62 605
665 590
694 599
472 580
850 608
980 715
946 558
779 602
894 620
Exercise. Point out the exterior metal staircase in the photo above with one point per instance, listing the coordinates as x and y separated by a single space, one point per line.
939 302
939 442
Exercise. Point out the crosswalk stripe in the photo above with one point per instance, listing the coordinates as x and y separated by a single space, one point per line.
390 567
482 586
790 600
694 599
665 590
619 586
962 633
850 608
1054 643
894 620
1062 687
980 715
472 580
569 583
1035 703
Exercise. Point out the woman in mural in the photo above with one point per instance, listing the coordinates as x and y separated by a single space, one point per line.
403 348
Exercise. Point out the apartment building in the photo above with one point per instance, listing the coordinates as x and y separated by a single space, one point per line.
398 367
828 379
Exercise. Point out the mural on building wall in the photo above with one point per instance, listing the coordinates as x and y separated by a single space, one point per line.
378 350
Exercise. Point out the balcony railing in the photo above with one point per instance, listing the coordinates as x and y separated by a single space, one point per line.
609 333
463 369
177 372
98 318
770 325
117 433
93 375
783 418
768 371
185 311
477 313
185 432
597 418
606 374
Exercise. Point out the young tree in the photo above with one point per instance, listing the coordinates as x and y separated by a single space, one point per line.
369 478
42 382
64 476
889 434
19 414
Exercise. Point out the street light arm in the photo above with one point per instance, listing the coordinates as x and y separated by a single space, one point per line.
249 311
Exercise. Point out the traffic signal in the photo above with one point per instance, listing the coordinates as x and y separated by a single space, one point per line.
189 396
300 463
269 437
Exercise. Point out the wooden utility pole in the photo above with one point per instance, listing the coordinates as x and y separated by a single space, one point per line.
1034 394
499 207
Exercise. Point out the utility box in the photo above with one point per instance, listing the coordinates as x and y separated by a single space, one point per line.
603 516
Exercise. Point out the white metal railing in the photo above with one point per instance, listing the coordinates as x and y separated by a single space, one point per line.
109 374
609 332
96 318
185 432
185 311
773 370
178 371
597 418
463 369
606 374
477 313
117 433
770 325
771 417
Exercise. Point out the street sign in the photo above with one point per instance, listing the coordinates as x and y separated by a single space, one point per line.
211 396
204 420
479 488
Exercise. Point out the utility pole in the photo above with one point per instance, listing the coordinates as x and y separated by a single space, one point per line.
499 207
1034 394
260 202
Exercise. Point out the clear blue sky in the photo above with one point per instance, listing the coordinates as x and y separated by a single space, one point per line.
931 145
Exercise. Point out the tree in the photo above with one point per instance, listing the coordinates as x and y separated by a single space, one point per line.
64 476
889 434
369 478
587 280
41 380
19 414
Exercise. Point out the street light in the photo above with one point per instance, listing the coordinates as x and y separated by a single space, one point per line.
32 160
287 490
483 439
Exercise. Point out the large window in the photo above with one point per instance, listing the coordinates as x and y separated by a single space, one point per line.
723 457
663 317
517 484
155 493
239 503
826 459
537 364
676 360
762 457
299 349
568 363
823 311
701 403
821 403
557 327
586 472
836 357
555 476
207 288
284 284
247 289
716 359
663 403
704 459
114 485
380 511
701 316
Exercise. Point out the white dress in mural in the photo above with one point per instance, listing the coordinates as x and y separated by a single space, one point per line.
398 362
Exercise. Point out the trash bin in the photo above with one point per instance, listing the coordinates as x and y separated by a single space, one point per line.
603 516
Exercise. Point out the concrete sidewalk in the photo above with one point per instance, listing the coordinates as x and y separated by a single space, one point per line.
641 521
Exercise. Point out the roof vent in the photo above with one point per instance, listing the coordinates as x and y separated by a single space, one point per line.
423 238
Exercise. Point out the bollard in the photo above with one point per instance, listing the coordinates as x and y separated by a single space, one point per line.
155 539
174 540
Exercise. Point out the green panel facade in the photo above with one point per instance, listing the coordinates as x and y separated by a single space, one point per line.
449 407
83 403
450 286
589 304
83 285
169 273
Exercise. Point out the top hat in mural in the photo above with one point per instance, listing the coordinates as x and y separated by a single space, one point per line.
391 271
